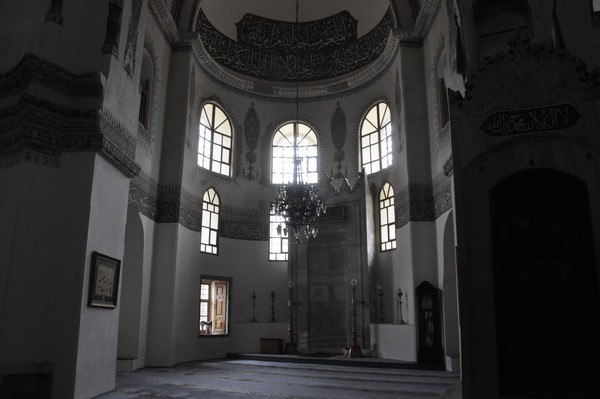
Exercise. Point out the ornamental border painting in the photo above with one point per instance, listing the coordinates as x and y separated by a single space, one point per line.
104 281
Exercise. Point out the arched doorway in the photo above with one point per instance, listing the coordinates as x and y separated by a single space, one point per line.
546 289
450 298
130 307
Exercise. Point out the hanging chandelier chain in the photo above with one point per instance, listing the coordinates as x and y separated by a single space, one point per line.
298 204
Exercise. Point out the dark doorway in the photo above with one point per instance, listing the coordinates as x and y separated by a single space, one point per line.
546 290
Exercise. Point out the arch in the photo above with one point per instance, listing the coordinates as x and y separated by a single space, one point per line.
375 133
209 230
215 139
450 297
150 72
387 218
545 286
294 141
129 348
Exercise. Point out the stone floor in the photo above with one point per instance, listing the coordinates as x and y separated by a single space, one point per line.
245 378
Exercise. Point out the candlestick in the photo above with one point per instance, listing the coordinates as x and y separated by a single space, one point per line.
354 350
400 319
253 308
272 306
291 348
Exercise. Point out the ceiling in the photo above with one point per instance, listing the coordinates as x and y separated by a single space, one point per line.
228 31
225 13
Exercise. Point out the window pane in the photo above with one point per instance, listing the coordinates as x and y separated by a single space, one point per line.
204 235
204 291
384 234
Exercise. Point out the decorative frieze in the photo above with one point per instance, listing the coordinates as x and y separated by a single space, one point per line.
35 70
244 230
43 127
338 133
287 37
285 65
164 19
421 202
533 120
244 223
251 134
442 195
143 193
402 207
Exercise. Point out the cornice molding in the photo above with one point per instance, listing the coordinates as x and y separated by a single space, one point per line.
37 125
163 19
306 90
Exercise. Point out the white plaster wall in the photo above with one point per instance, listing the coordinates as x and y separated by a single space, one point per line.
149 229
253 274
161 304
424 252
132 288
45 268
148 154
448 284
394 341
98 327
437 63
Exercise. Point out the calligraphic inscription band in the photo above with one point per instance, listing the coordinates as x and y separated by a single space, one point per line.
534 120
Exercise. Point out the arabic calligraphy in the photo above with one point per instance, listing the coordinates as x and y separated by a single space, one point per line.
534 120
274 58
280 36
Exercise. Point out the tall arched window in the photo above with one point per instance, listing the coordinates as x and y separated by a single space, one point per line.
209 232
387 218
376 138
302 146
214 144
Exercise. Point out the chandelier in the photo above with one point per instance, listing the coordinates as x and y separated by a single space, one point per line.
297 203
299 206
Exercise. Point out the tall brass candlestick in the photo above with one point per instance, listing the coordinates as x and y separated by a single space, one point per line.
272 306
253 308
400 318
291 348
354 350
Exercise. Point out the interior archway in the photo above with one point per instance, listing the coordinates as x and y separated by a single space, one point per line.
128 350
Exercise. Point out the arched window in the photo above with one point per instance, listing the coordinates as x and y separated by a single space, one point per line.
214 144
209 232
302 145
376 139
387 218
146 90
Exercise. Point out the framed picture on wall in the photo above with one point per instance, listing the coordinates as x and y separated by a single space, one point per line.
104 281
